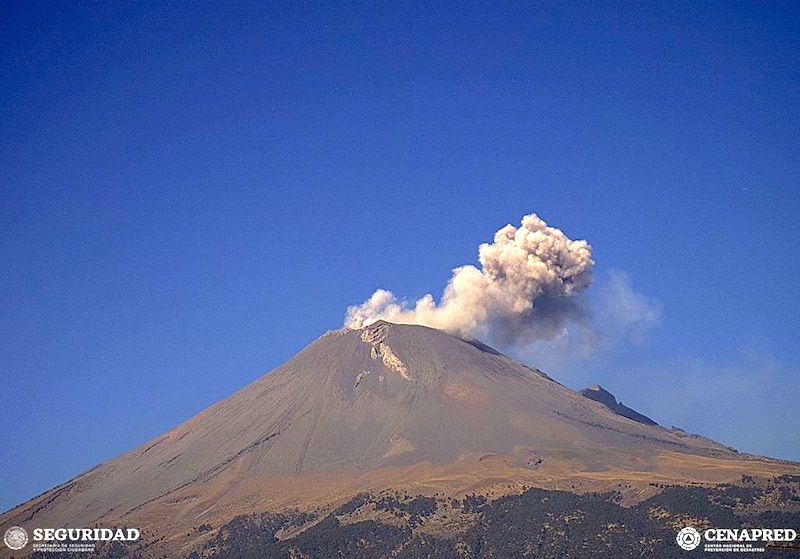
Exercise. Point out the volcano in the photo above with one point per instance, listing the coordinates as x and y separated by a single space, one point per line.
383 408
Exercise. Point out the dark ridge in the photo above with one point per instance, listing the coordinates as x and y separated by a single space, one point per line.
483 347
599 394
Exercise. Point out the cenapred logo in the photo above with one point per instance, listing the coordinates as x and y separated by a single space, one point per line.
16 537
734 540
688 538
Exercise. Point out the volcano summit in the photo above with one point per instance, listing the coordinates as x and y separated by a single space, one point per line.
399 410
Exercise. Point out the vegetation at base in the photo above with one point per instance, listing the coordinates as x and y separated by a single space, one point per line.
537 523
255 537
416 508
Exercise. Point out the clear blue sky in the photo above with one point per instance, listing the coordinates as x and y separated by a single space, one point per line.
189 194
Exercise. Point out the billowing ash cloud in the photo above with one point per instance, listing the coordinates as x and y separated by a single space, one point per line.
528 286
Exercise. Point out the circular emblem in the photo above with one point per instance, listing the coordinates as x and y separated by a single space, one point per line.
688 538
16 537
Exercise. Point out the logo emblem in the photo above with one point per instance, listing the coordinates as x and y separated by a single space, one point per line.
688 538
16 537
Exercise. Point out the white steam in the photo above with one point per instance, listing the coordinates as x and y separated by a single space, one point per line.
528 286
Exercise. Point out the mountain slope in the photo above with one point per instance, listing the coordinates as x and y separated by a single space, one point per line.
600 394
387 406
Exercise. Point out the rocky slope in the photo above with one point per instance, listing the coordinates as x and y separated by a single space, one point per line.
600 394
386 407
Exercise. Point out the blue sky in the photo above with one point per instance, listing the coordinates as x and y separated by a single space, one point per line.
189 194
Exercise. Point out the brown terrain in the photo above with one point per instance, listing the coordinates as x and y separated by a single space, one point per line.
387 407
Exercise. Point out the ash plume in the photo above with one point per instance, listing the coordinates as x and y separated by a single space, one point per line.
527 288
